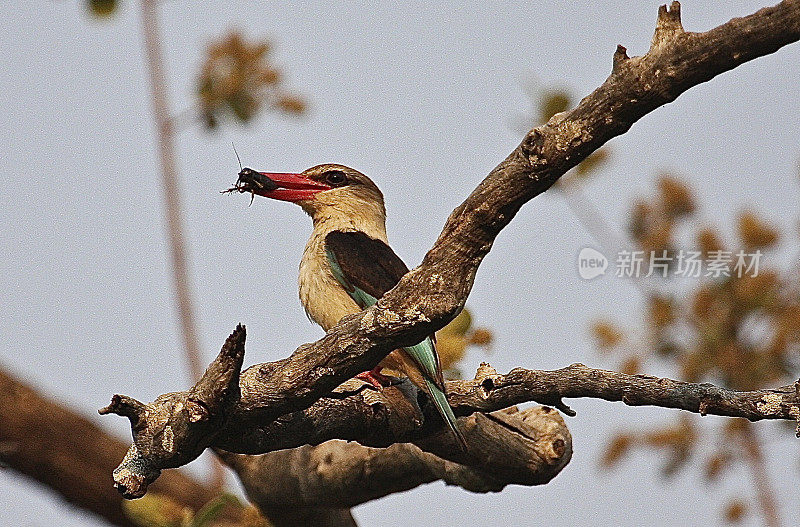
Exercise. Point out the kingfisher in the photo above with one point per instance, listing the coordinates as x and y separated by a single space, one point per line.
347 264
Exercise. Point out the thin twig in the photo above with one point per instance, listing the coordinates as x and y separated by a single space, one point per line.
165 139
765 493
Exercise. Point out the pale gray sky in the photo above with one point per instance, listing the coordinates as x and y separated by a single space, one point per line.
417 95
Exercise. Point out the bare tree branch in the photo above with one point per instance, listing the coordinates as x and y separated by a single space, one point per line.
278 399
577 380
754 456
381 419
165 133
338 474
57 447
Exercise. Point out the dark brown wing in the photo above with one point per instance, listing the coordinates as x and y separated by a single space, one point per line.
364 263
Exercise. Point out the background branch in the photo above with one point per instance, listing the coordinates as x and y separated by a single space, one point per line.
57 447
754 456
165 143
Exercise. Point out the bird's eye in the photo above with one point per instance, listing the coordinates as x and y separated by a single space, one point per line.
335 178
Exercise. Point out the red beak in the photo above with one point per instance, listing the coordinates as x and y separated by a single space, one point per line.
291 187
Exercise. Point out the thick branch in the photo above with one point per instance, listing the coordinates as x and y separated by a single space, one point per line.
167 432
338 474
65 451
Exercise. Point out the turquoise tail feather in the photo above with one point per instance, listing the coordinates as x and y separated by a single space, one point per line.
424 354
441 404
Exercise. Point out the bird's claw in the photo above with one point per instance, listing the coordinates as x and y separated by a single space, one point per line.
375 378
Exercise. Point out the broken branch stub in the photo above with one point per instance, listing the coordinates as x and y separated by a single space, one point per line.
176 427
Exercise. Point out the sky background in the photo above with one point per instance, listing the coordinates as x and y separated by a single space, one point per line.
423 98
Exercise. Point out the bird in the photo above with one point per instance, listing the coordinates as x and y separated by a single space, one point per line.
348 265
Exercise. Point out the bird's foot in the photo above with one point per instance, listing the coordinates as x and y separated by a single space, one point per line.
374 377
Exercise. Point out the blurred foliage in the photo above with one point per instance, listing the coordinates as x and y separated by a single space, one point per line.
653 223
453 340
102 8
677 441
740 331
716 319
159 510
606 334
239 79
735 511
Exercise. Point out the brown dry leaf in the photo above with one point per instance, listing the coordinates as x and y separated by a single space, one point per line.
659 238
606 334
702 302
754 232
631 366
676 198
735 511
787 324
760 291
661 311
617 447
709 241
640 219
292 104
715 465
481 337
694 365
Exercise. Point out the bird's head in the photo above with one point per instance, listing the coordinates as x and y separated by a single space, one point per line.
325 192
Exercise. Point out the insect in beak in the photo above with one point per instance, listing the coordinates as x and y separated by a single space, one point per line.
253 182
